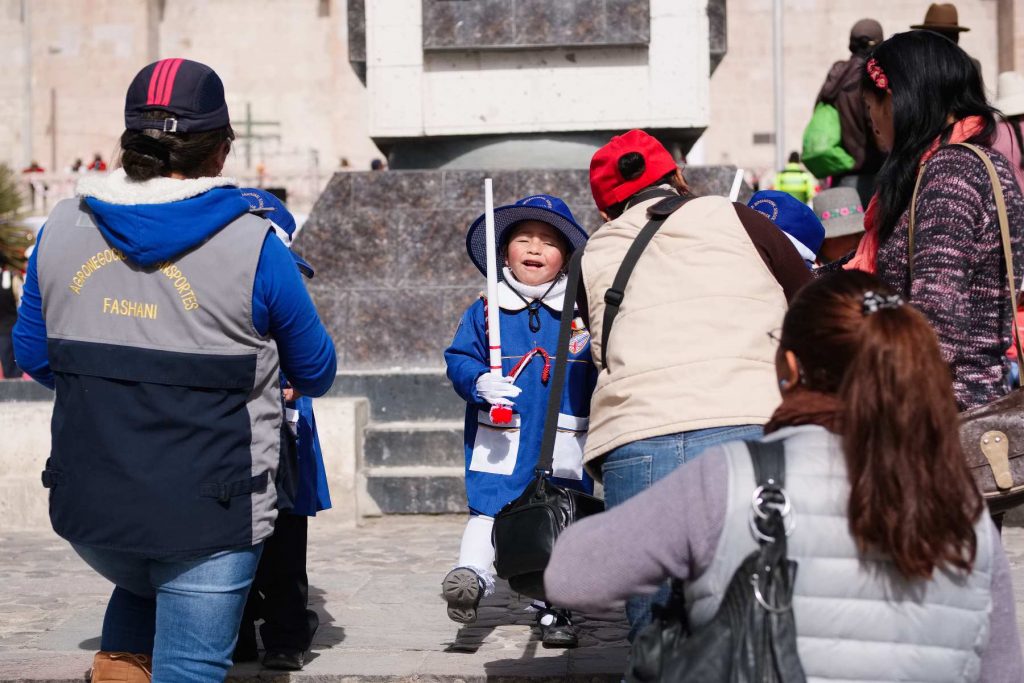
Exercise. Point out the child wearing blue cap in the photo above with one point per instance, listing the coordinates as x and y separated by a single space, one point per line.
796 220
280 591
535 237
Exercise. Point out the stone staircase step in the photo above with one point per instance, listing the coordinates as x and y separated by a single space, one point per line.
398 395
417 490
411 443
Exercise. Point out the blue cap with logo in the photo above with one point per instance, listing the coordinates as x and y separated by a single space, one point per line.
794 218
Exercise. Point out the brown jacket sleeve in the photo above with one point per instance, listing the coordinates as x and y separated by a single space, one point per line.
777 252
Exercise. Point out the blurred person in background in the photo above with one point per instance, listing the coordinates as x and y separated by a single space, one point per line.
842 214
842 90
1010 136
794 180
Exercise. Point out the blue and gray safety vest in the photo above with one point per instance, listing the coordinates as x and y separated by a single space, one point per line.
166 426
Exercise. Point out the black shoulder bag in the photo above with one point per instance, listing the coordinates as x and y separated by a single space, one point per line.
526 529
752 637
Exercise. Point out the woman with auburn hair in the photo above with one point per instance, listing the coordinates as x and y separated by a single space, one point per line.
901 574
924 95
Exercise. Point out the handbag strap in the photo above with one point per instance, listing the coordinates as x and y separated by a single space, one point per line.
613 296
547 444
1004 235
769 462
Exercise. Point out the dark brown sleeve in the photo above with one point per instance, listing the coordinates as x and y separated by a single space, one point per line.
581 302
775 249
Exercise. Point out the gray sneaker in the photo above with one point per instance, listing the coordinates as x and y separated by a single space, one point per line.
462 590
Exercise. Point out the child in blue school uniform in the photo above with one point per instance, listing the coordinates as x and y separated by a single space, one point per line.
535 238
280 591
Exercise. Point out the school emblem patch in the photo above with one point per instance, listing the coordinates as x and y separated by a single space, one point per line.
578 340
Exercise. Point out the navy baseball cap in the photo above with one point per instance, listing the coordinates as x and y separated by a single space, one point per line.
265 204
539 207
191 91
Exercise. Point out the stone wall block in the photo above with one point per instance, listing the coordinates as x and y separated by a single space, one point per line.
431 248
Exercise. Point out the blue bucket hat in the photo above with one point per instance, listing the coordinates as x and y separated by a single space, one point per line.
266 205
794 218
538 207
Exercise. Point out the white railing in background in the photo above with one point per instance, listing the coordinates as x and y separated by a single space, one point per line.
41 191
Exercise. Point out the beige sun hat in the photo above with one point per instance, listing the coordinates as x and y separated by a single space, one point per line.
840 211
1010 93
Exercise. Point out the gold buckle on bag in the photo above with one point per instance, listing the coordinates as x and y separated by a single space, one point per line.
995 446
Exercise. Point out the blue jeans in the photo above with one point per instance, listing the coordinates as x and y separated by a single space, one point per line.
186 611
635 467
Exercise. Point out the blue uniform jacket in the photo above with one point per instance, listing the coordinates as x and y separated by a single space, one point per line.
466 358
312 495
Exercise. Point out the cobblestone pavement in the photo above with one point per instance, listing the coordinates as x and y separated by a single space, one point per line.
377 589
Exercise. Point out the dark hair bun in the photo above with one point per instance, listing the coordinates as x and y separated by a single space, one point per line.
632 165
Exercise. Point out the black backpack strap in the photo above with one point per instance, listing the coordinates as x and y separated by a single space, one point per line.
613 296
547 444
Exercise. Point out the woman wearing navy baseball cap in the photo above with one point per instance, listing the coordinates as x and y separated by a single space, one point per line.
160 310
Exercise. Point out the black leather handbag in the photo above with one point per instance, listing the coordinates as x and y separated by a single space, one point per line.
525 530
752 637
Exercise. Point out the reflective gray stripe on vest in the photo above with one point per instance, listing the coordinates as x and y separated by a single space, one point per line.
198 303
857 619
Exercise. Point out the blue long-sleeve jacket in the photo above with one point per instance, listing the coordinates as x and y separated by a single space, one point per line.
490 484
154 232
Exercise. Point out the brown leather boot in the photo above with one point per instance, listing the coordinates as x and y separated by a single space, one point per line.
121 667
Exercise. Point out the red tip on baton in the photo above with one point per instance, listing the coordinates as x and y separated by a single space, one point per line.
501 415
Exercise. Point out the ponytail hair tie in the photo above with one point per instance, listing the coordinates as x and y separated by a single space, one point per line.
878 76
874 302
150 147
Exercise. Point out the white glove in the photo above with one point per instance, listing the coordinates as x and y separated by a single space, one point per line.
496 390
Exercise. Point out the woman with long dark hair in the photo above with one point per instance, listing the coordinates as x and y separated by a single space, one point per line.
924 94
901 574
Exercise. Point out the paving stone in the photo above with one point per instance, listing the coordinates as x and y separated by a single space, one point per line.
377 590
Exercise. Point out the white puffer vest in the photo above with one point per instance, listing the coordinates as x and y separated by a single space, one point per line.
857 619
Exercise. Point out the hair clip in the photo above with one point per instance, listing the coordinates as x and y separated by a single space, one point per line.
877 75
874 302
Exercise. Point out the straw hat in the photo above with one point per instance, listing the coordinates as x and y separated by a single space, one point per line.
1010 93
840 211
942 18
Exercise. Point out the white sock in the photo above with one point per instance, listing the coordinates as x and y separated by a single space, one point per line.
477 552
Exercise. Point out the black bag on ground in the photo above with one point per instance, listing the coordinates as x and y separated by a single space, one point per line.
752 637
525 530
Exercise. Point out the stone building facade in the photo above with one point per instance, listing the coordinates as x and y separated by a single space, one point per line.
295 67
